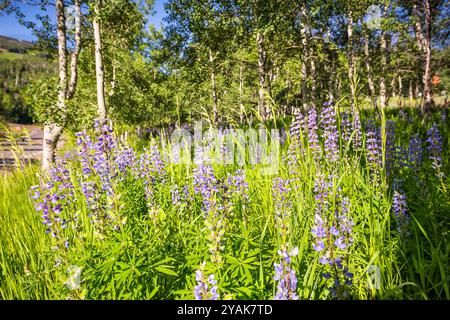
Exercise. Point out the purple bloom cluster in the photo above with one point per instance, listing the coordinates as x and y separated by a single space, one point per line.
346 127
206 185
313 136
285 275
206 288
296 129
296 146
280 193
330 134
99 172
400 208
237 186
102 158
357 138
125 159
390 146
332 232
373 148
150 169
54 197
180 196
434 147
175 195
415 152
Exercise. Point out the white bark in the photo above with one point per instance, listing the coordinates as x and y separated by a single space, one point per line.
368 65
383 47
411 94
351 59
213 88
241 93
262 75
76 51
52 130
427 48
99 71
304 41
394 88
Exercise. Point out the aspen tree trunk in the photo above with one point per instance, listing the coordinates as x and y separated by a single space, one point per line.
383 47
76 51
303 71
394 88
99 71
331 84
213 88
262 74
400 88
53 130
241 93
368 62
411 93
424 44
418 28
427 47
351 59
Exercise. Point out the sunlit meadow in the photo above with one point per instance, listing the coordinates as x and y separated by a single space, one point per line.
358 208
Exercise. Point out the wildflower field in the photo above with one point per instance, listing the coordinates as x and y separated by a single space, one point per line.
357 208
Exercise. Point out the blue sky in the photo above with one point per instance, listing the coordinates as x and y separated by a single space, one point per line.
11 28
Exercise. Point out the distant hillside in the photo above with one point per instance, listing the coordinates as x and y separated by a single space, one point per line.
14 45
20 64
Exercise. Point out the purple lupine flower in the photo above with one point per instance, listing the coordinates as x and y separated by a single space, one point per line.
373 148
150 169
390 146
330 134
319 246
125 159
238 186
175 194
187 193
399 207
207 185
357 138
346 127
332 232
296 129
285 275
434 147
98 172
296 145
54 200
313 137
415 151
340 243
206 289
280 194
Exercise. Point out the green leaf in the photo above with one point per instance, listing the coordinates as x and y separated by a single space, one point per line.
166 270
